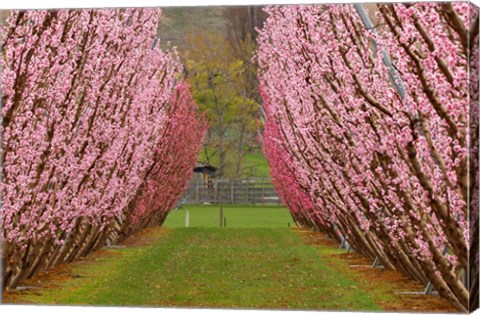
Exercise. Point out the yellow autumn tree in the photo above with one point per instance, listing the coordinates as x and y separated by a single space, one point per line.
219 81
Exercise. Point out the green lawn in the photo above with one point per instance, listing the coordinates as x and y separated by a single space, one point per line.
211 267
257 163
247 216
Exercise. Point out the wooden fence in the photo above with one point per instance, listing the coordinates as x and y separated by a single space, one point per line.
232 191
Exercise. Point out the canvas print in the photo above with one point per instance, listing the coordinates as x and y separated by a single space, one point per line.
308 157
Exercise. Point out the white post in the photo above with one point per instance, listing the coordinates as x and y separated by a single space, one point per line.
187 218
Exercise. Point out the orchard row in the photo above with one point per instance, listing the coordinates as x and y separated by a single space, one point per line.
370 131
99 138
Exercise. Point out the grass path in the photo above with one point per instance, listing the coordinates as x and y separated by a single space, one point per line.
209 267
256 262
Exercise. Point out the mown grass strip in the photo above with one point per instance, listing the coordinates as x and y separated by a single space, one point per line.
245 216
212 267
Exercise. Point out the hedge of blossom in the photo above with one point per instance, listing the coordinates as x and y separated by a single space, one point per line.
99 138
380 153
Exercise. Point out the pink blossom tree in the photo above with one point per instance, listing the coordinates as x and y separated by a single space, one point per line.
88 102
381 151
174 158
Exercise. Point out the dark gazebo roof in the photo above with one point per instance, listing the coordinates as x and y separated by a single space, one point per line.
205 168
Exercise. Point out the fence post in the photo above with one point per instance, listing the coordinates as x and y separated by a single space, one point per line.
187 219
263 191
196 192
231 190
220 200
248 186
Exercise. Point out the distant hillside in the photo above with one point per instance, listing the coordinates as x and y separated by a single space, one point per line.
178 21
4 15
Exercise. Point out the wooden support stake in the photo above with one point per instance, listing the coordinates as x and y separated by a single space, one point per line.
221 216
